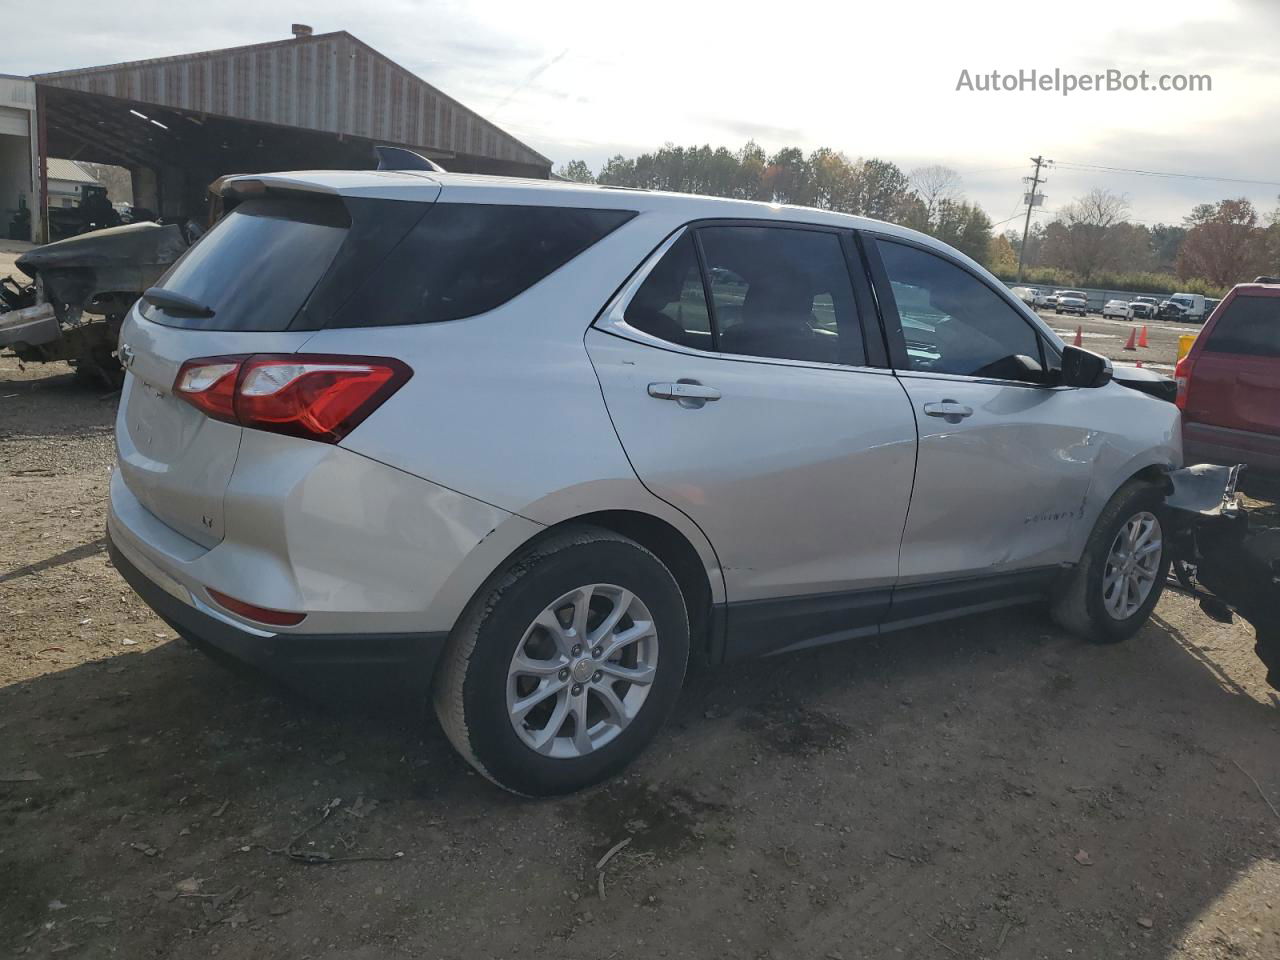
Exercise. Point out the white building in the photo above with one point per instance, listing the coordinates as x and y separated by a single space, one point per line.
66 177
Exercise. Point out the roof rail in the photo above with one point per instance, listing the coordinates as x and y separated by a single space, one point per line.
1266 279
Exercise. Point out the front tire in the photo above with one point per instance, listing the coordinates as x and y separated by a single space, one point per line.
565 664
1111 593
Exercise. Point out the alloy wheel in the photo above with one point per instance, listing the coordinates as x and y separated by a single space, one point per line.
1132 565
582 671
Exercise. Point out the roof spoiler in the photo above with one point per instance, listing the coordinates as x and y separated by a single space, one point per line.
398 158
1266 280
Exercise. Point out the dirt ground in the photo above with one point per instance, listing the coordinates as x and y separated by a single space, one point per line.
1108 337
986 788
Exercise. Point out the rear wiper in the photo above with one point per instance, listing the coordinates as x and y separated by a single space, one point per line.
176 302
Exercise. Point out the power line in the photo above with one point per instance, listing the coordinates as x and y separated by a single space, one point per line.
989 169
1162 173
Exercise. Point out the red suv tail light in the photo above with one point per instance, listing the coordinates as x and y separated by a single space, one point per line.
311 396
1182 376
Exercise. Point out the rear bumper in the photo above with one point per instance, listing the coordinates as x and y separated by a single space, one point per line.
1204 443
401 660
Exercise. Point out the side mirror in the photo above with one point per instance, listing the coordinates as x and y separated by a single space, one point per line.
1083 368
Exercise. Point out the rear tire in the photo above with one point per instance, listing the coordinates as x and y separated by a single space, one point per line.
561 628
1107 598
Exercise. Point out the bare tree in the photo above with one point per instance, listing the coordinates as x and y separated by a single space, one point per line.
935 185
1086 239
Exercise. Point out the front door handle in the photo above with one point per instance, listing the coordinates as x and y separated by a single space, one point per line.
688 393
948 410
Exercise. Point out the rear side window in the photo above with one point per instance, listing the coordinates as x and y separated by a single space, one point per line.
671 303
464 259
782 293
1250 325
258 264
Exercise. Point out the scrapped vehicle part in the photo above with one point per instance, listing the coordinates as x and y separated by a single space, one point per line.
89 282
14 295
1147 381
1224 559
30 325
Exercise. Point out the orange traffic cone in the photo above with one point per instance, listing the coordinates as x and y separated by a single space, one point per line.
1133 335
1079 340
1142 337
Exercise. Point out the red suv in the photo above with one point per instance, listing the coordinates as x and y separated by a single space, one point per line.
1229 384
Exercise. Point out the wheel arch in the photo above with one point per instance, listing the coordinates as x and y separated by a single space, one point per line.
1147 469
674 539
679 556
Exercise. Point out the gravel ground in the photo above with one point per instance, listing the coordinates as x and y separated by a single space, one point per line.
1108 337
986 788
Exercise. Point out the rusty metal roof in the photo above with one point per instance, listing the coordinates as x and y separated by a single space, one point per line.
330 82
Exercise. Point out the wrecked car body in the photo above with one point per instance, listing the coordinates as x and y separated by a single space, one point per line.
82 288
1224 558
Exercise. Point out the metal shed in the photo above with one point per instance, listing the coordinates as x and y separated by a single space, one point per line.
311 102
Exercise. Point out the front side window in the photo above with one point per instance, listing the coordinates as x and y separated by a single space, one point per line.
952 321
1250 325
782 293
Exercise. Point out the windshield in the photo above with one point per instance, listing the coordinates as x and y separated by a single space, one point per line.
258 264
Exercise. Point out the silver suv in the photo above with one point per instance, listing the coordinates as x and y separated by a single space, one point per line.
539 444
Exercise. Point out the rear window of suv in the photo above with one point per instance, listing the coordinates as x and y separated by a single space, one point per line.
1250 325
402 262
258 264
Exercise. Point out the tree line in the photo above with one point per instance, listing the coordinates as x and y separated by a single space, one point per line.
1090 241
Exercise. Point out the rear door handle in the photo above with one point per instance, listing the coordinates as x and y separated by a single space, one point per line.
949 410
683 390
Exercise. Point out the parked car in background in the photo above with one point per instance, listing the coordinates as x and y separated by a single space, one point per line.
559 437
1144 308
1072 301
1229 383
1051 299
1210 305
1172 311
1117 308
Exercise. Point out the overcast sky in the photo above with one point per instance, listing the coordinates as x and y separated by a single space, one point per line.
871 79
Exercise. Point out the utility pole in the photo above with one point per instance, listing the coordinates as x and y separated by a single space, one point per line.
1033 200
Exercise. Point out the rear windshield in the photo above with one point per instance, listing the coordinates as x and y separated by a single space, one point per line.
402 263
1249 325
258 264
463 259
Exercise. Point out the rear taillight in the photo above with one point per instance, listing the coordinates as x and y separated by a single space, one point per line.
1182 377
303 395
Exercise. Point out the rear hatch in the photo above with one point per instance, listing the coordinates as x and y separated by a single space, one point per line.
263 280
1235 375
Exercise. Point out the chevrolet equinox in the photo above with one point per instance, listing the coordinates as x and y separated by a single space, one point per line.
540 443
